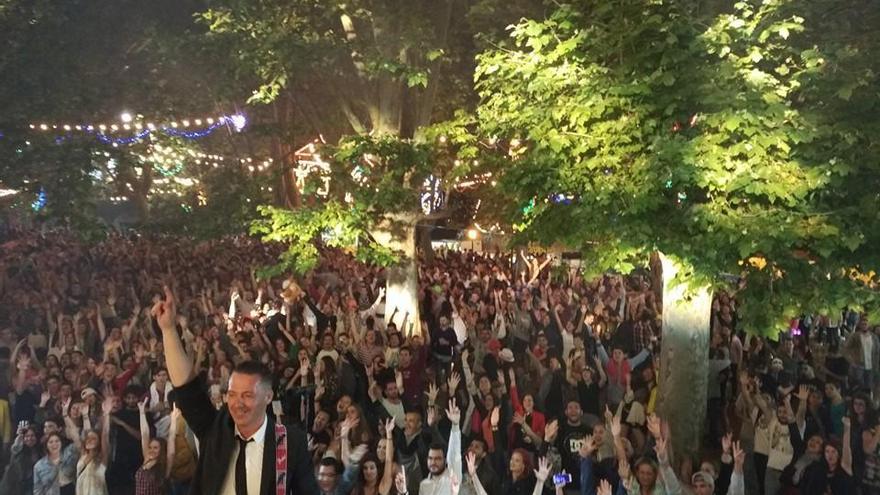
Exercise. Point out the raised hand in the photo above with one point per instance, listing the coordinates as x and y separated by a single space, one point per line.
495 416
107 405
803 392
739 457
519 419
604 487
453 413
472 464
166 311
389 428
727 442
616 426
543 471
432 393
142 406
588 446
348 425
654 425
623 469
550 431
432 416
400 481
454 380
660 448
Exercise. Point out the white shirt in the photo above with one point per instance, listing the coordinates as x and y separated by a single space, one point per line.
253 462
867 348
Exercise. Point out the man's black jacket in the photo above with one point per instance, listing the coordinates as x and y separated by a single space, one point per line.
216 433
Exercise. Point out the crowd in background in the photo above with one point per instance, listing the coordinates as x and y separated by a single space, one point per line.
517 376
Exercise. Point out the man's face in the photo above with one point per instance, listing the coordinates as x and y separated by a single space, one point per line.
478 449
131 401
53 386
443 322
109 371
436 462
411 423
405 358
391 391
162 377
326 478
573 412
247 399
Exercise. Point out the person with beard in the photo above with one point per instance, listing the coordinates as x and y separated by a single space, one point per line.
19 475
442 471
570 438
125 436
241 436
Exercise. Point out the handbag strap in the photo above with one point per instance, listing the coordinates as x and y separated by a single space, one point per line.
280 458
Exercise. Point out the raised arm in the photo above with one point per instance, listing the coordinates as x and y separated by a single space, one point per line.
846 458
541 475
388 471
107 410
180 368
172 433
145 428
453 454
472 470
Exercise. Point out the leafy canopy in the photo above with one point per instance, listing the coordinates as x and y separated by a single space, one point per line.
738 143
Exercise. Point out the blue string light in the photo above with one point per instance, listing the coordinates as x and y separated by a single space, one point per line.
120 141
194 134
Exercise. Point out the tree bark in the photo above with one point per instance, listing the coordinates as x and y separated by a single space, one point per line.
398 232
684 372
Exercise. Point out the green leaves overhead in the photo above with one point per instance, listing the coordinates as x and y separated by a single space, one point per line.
713 137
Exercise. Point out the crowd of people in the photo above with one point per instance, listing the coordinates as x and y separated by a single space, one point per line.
515 377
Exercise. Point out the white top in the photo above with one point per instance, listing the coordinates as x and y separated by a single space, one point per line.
253 462
867 348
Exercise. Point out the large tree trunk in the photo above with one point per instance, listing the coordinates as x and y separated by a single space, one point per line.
684 374
398 232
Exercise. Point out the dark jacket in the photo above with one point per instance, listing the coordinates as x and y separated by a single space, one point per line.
216 433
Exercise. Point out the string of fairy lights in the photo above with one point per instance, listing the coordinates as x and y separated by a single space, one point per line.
108 133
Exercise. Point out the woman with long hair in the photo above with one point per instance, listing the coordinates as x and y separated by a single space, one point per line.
152 477
369 481
54 473
832 473
94 454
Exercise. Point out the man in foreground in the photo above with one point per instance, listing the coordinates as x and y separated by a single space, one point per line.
239 443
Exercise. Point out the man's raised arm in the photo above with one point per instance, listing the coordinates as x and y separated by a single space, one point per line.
180 367
191 395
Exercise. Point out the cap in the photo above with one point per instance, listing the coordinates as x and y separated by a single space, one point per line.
704 477
87 392
506 355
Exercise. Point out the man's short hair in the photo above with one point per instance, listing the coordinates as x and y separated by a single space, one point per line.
437 446
331 462
255 368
